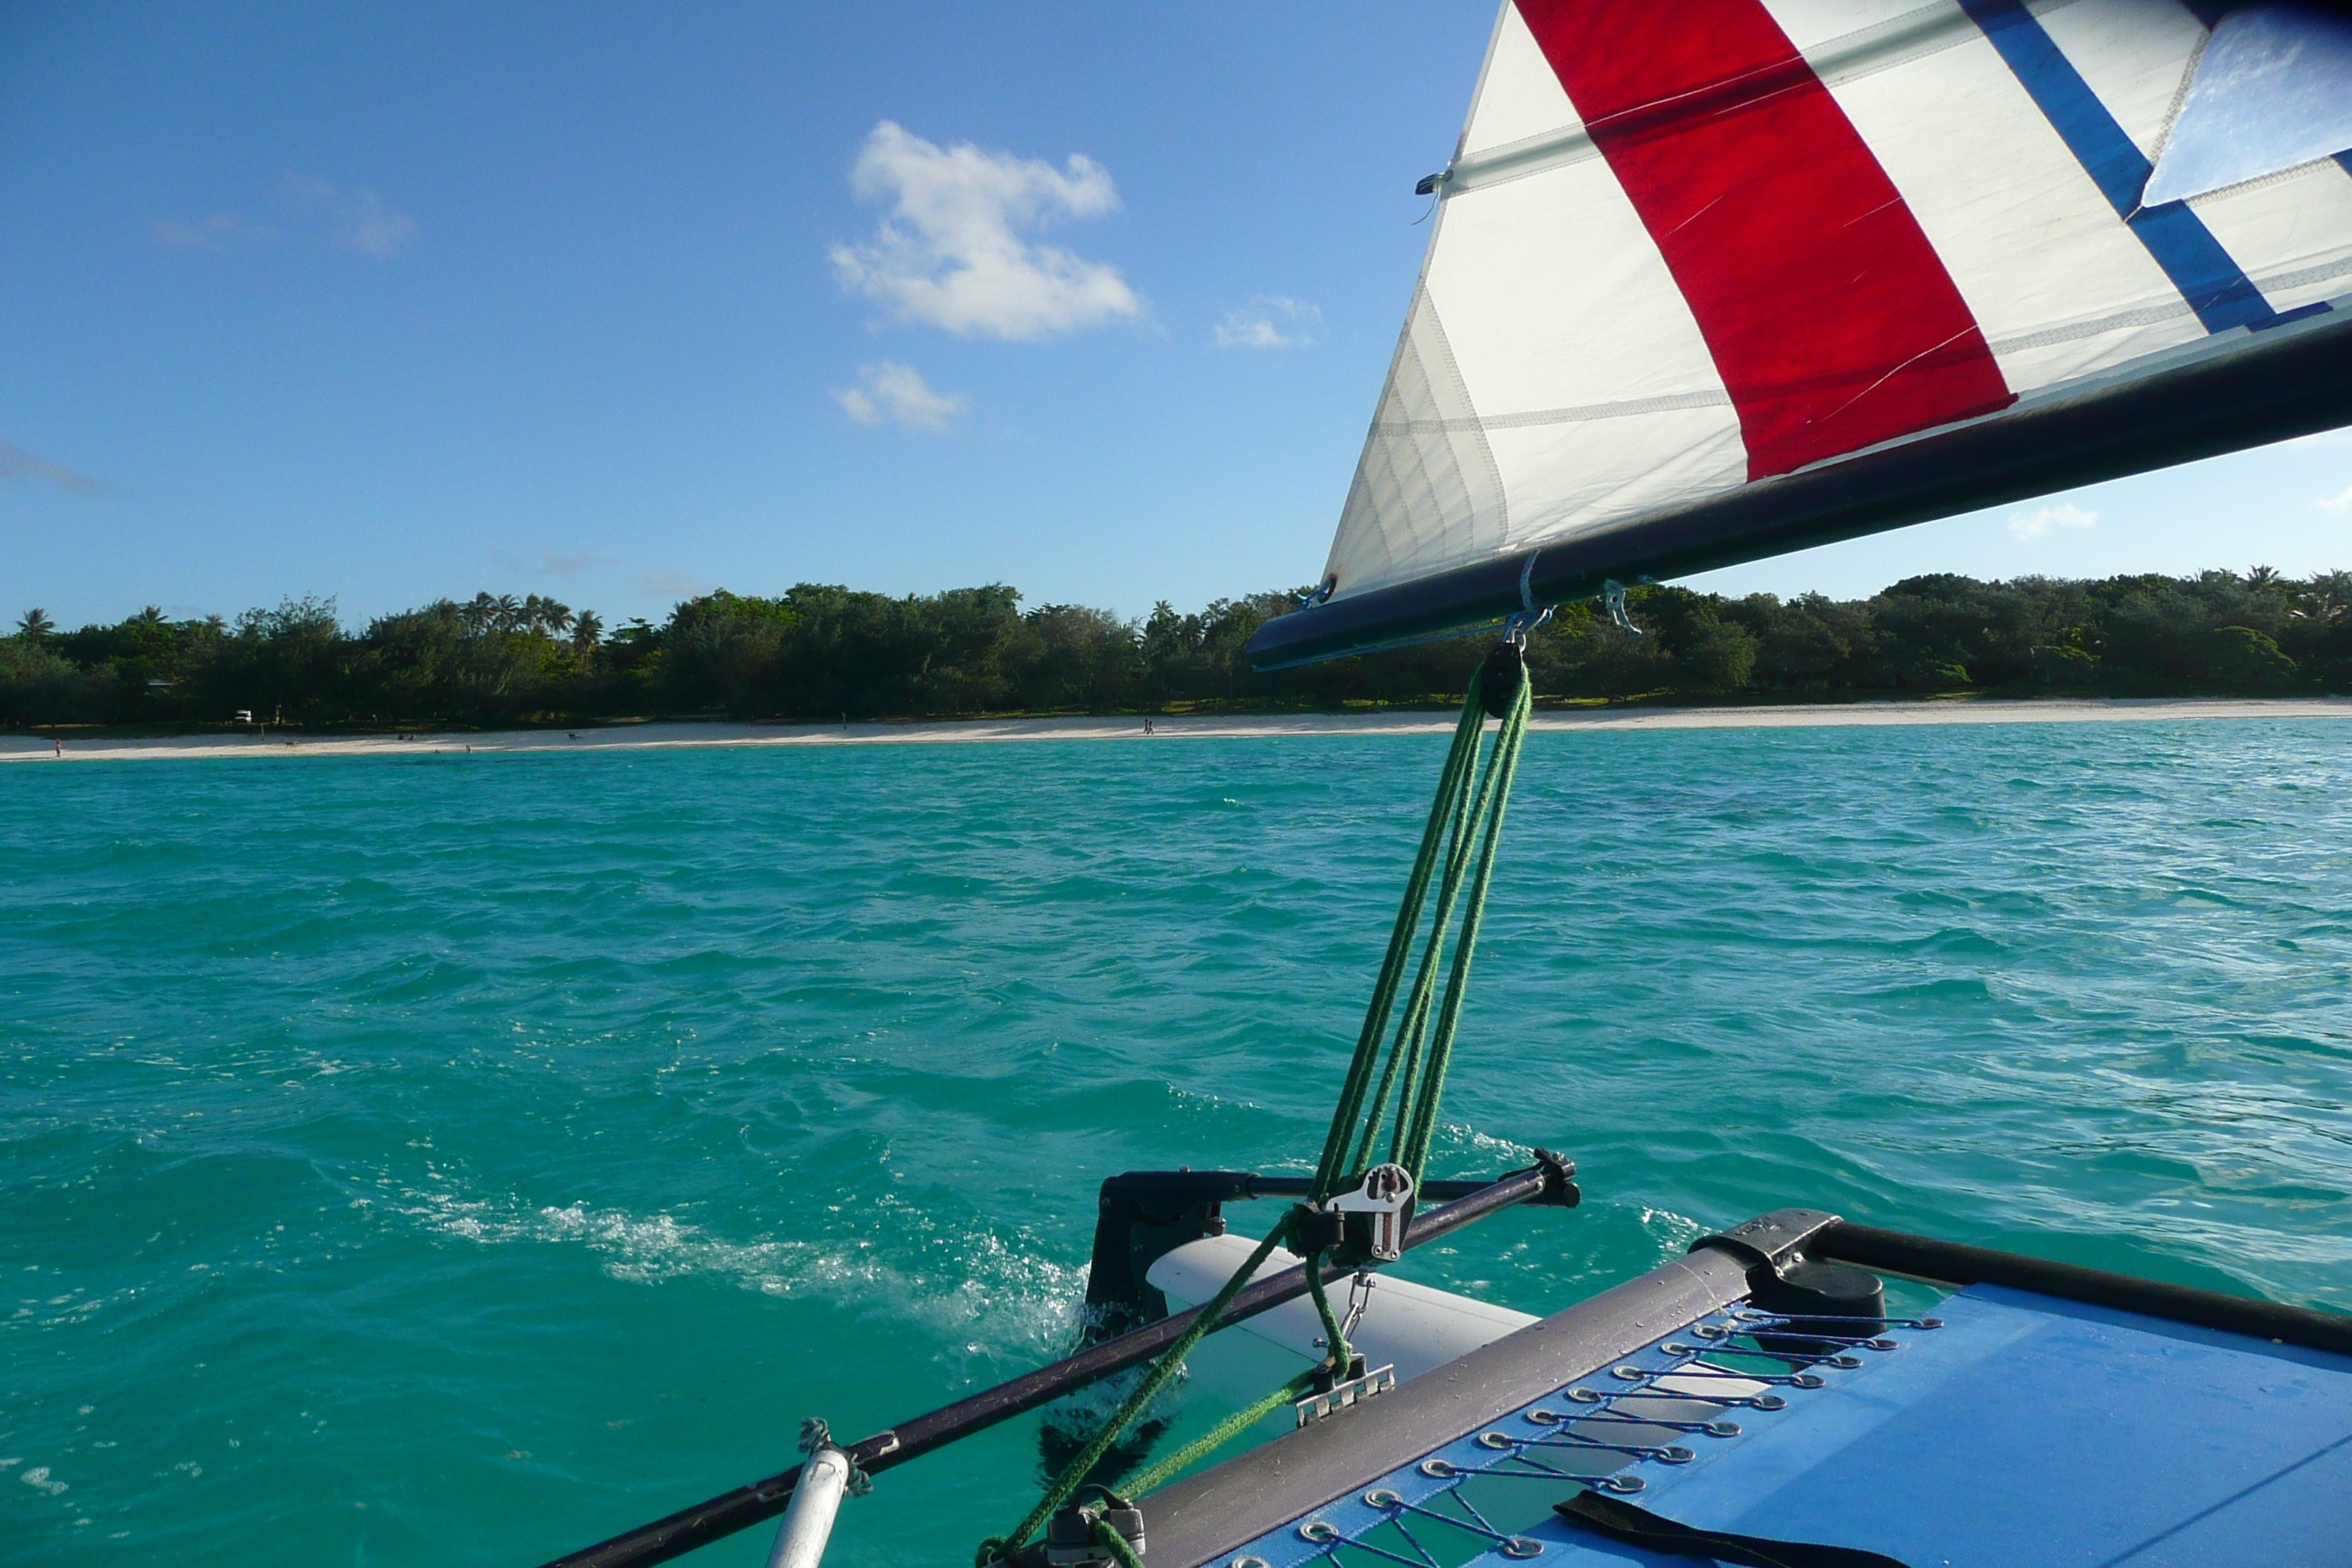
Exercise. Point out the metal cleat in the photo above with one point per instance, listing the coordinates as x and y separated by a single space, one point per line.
1354 1391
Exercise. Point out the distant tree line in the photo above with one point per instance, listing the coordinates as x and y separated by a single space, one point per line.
824 652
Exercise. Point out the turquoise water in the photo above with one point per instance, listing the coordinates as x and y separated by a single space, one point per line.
457 1159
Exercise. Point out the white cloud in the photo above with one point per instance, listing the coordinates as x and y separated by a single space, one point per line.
1270 322
362 220
15 463
2339 504
2034 524
895 392
952 253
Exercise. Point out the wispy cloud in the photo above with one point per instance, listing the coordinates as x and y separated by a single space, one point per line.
952 251
217 232
15 463
1270 322
359 219
669 584
897 392
2034 524
547 563
2339 504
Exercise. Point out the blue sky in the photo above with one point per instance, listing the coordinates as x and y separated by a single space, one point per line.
617 303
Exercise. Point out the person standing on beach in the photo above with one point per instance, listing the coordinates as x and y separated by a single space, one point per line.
60 744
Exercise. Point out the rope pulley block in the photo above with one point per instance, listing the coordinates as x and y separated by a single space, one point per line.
1374 1216
1500 678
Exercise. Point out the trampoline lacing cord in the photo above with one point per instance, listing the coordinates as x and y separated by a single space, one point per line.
1464 826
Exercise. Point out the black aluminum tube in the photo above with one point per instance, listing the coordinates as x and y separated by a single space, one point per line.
746 1506
1952 1263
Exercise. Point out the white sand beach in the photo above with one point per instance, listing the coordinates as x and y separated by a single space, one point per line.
663 736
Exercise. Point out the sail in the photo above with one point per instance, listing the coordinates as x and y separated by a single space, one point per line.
1710 279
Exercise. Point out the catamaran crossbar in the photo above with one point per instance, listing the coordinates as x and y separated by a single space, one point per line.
749 1505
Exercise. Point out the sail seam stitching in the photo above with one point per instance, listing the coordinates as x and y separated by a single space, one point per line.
1668 405
1853 56
2146 316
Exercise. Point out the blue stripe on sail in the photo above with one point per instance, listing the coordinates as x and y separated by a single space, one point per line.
2216 287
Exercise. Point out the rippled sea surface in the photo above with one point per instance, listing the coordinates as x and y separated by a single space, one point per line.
456 1160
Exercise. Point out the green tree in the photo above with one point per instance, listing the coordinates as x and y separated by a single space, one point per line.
291 660
2245 659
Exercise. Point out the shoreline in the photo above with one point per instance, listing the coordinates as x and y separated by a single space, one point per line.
680 735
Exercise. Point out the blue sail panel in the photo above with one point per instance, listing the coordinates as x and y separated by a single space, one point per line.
2272 90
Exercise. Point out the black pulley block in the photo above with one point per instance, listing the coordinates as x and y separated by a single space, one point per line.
1500 680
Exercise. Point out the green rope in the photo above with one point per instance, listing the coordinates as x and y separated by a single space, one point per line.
1441 811
1495 796
1335 1339
999 1548
1224 1432
1416 1017
1112 1541
1463 830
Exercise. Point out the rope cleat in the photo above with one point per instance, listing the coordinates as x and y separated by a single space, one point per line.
1073 1538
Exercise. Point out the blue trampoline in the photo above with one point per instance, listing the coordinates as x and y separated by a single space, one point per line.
2013 1426
2033 1430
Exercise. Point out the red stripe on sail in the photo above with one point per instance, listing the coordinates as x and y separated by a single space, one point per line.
1830 316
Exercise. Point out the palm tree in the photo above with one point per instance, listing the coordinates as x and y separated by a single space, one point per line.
151 616
548 616
35 623
2261 576
587 630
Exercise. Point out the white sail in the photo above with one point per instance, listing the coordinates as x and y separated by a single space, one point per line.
1685 248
